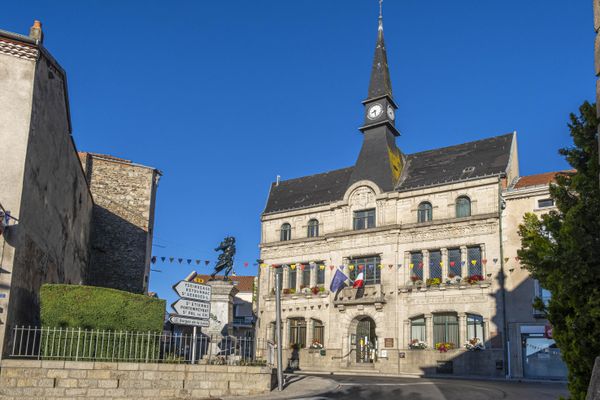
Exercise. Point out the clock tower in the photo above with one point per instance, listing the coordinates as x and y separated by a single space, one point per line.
380 160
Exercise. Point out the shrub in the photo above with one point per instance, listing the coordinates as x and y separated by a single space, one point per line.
89 307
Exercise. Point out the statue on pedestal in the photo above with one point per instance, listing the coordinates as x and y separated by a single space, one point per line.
225 261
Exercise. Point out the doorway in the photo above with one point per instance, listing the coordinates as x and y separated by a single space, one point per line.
366 341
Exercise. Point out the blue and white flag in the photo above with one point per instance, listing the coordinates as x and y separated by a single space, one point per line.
338 281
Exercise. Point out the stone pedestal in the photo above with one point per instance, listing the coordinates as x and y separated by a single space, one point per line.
221 313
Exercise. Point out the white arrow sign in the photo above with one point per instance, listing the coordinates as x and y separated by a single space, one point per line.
193 290
179 320
191 308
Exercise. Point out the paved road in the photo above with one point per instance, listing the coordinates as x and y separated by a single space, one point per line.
382 388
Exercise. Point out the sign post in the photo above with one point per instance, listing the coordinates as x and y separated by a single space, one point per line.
278 276
193 306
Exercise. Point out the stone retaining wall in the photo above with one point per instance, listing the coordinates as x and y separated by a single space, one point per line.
30 379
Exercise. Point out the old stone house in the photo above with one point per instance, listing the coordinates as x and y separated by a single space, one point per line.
434 235
75 220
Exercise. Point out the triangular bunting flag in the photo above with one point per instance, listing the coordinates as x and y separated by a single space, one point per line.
484 261
473 262
495 260
180 260
245 264
452 263
206 262
189 261
506 259
163 259
153 260
331 267
198 262
171 259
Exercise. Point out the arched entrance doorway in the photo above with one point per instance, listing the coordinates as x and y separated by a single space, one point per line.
365 340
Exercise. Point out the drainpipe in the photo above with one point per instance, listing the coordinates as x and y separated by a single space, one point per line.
501 278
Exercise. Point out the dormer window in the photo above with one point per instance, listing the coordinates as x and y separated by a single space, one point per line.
364 219
286 232
424 212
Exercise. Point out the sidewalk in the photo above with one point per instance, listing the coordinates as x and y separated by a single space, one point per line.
296 386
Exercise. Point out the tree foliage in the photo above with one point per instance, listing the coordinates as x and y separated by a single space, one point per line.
562 250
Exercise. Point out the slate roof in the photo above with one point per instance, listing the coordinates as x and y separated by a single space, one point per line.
481 158
465 161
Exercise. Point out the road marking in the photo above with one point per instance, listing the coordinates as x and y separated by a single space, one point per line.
387 384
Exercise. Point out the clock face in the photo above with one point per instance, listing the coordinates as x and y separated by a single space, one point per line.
390 113
374 111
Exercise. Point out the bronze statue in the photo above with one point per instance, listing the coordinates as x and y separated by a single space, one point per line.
225 261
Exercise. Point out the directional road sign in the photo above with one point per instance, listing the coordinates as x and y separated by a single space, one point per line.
192 309
193 290
179 320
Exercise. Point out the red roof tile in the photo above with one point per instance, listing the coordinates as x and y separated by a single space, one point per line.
244 283
538 179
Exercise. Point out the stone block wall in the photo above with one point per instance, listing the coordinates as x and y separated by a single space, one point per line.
123 218
20 379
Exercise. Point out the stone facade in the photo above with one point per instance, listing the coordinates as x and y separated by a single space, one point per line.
20 379
123 218
42 182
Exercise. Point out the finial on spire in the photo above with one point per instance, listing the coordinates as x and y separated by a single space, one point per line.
381 14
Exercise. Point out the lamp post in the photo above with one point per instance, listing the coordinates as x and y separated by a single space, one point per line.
278 275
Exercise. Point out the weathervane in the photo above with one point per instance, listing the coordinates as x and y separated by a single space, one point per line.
380 9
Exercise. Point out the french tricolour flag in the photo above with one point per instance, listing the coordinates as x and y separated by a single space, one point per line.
358 282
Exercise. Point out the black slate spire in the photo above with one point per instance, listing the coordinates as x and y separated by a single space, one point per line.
380 160
380 84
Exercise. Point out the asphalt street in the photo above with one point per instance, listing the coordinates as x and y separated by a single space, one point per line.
381 388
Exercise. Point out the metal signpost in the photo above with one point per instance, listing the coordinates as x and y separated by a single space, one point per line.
193 307
278 276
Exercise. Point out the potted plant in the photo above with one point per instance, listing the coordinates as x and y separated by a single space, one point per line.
417 344
292 291
316 345
473 279
287 291
443 347
433 282
314 290
474 344
321 289
414 279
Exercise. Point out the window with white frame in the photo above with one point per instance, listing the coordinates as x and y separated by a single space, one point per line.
475 327
417 328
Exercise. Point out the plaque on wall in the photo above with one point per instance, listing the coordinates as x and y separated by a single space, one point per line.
388 342
402 355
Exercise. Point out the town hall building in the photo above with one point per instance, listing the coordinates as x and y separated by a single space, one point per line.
434 234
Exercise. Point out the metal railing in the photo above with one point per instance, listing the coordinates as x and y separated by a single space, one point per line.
76 344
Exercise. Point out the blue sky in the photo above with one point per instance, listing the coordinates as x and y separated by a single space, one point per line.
222 96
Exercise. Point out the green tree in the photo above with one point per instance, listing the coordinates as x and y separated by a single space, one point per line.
562 250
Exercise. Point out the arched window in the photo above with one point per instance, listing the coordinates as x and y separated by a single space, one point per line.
313 228
286 232
297 332
475 327
424 212
445 329
463 207
318 332
417 328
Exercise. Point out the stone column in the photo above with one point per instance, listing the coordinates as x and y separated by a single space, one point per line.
425 264
483 257
221 312
462 329
313 275
486 330
464 268
444 264
285 334
286 279
270 278
309 331
429 330
407 270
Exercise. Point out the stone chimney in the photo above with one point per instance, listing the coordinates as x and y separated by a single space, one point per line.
35 32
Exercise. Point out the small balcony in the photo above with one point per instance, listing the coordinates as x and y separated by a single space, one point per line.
367 295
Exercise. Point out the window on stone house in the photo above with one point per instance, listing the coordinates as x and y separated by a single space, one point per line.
445 328
542 294
318 332
306 274
286 232
454 263
417 328
313 228
475 327
369 266
273 332
416 265
364 219
424 212
435 264
320 274
545 203
292 278
474 261
463 207
297 332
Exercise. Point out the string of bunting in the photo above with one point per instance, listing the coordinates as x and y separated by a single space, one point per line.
188 261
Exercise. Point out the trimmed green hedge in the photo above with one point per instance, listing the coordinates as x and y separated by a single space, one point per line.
90 307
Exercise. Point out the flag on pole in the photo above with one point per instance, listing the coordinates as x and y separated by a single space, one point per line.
338 281
359 281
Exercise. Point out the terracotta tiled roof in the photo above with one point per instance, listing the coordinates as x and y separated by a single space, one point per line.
244 283
538 179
